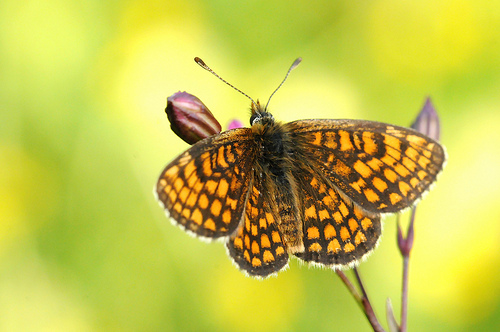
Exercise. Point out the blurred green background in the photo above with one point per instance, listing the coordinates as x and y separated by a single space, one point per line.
84 246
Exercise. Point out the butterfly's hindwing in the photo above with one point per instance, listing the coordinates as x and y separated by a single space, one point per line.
257 247
336 231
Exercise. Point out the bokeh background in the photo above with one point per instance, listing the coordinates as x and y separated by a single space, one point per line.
84 246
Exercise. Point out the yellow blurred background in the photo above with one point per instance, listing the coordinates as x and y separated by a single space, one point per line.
84 246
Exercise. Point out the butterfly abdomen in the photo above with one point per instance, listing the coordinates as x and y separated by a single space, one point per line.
275 163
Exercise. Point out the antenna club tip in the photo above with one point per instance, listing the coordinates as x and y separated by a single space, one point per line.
296 62
200 62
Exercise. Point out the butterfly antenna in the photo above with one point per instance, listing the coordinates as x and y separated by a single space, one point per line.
207 68
294 64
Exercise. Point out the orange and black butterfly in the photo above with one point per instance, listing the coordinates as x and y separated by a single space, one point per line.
314 189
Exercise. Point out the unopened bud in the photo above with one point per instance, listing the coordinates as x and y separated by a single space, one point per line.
235 124
406 244
189 118
427 121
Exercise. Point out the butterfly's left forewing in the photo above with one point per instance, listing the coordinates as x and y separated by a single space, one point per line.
205 189
383 168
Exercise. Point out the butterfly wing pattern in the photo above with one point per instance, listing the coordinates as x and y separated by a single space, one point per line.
315 189
337 233
353 172
383 168
205 189
257 246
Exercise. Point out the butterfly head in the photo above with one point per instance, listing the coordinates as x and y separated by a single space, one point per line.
260 115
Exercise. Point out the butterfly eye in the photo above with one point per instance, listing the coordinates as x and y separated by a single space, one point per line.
262 117
189 118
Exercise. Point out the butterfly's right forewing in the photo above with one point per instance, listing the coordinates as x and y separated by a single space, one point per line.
383 168
205 189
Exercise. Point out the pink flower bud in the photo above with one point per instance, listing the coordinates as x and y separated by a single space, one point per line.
235 124
427 121
189 118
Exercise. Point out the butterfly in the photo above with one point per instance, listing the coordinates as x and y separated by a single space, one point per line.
314 189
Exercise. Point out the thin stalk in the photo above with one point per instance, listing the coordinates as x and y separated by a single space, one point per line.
405 246
350 287
404 296
368 309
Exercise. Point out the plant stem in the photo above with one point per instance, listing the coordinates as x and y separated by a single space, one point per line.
363 301
405 246
404 299
350 287
367 306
